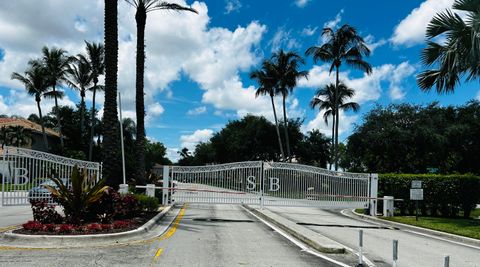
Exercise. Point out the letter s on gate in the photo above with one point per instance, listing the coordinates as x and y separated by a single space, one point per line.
274 184
251 182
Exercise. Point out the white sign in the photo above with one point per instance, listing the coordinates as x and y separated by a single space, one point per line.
416 184
416 194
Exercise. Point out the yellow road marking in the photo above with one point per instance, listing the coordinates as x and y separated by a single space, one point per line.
173 229
4 229
157 255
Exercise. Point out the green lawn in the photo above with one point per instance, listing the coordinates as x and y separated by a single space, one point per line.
458 226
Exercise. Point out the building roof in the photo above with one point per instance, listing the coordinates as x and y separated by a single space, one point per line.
34 127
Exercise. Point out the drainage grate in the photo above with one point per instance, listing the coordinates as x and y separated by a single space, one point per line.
349 226
220 220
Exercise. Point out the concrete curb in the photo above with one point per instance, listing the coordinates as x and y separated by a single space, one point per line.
309 237
457 238
64 240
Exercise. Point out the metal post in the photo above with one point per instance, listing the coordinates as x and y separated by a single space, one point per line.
150 190
395 253
360 247
373 194
416 210
166 185
262 182
121 138
447 261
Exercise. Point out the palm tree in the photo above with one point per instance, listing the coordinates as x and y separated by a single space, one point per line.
5 136
458 55
324 99
142 8
56 63
95 58
343 45
111 159
284 68
37 85
267 87
80 79
18 136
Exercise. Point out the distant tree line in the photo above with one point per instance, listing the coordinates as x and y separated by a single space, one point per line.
407 138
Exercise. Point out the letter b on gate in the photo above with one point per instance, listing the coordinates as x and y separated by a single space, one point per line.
274 184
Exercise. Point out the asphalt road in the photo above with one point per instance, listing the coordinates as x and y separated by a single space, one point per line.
202 235
14 215
414 250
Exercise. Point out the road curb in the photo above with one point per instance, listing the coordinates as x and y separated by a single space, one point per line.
309 237
66 240
457 238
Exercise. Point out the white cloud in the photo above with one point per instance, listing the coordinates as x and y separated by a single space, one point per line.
190 141
172 154
283 39
411 30
232 5
20 103
197 111
372 45
367 87
318 123
301 3
334 23
309 31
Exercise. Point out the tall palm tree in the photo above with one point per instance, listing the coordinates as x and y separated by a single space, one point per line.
80 79
18 136
324 99
37 85
458 55
142 8
95 58
111 145
266 86
284 68
343 45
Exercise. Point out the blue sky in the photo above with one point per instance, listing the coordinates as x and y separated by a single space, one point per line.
197 65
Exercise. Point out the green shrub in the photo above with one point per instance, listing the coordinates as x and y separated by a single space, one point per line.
444 195
147 203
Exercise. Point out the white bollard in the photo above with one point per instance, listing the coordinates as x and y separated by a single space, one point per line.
388 206
123 189
150 190
395 253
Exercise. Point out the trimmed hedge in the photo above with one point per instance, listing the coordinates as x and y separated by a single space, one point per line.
444 195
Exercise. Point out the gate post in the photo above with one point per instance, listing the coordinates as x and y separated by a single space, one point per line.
262 185
373 193
166 185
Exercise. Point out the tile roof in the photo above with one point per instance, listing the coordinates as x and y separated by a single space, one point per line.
27 125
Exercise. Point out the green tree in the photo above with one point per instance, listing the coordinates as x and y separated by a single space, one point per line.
80 79
5 136
266 86
186 158
111 158
142 8
284 68
95 59
204 153
343 46
155 154
56 63
37 85
18 136
458 55
314 149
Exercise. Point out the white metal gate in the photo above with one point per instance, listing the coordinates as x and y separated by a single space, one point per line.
25 171
272 184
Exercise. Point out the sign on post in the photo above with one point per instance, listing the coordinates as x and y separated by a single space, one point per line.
416 194
416 184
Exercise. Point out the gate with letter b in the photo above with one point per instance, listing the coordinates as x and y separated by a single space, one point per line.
25 171
272 184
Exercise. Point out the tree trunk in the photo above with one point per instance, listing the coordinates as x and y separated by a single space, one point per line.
287 141
111 159
45 140
337 115
82 113
141 18
332 149
59 122
278 130
92 123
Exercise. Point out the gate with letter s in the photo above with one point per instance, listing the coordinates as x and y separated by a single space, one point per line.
271 184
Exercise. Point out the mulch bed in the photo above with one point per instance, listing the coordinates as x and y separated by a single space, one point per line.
135 223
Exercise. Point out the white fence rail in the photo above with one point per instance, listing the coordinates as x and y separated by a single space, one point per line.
25 171
273 184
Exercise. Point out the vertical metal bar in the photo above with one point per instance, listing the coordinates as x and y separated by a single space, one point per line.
360 247
261 186
447 261
165 186
395 253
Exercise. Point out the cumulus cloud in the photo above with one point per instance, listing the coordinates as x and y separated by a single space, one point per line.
372 44
367 87
309 31
318 123
334 23
411 30
232 5
190 141
197 111
283 39
301 3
